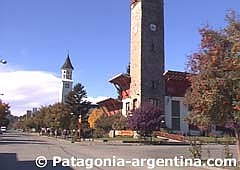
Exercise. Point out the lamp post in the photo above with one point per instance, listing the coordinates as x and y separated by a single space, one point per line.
73 135
79 118
162 123
79 126
3 61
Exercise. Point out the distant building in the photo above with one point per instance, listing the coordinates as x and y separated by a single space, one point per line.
29 114
34 110
67 82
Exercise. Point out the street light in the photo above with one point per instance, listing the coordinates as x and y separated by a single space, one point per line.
3 61
79 126
79 117
162 123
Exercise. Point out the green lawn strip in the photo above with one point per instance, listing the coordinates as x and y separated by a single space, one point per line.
220 140
128 139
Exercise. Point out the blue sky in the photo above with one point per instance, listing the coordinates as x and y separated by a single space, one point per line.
36 35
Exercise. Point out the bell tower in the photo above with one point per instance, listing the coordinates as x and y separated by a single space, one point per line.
67 82
147 53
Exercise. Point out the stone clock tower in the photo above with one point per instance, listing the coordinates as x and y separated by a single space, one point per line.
147 53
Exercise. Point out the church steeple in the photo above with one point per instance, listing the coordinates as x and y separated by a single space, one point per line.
67 82
67 64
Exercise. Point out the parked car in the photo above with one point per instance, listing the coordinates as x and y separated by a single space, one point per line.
3 128
0 135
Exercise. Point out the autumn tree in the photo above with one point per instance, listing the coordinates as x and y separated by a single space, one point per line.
40 117
4 111
58 116
55 116
95 114
146 119
215 92
30 123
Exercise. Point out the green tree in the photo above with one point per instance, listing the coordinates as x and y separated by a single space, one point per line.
30 123
103 125
63 117
106 122
79 106
119 122
215 92
40 117
128 69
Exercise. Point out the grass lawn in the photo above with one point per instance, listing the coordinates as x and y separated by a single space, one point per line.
119 138
221 140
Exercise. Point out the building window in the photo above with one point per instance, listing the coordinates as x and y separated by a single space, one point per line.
69 76
153 84
134 104
175 115
127 106
175 108
152 47
66 85
175 123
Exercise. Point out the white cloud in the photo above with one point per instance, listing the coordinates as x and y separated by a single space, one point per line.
94 100
24 89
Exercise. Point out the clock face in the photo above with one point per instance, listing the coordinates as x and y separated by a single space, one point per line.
153 27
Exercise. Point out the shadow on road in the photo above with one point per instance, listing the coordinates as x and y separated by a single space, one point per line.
7 139
22 142
8 161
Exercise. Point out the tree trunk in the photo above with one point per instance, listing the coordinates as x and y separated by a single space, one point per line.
237 133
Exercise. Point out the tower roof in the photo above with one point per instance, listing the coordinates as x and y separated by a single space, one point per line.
67 63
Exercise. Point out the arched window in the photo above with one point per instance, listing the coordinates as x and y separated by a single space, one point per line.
134 104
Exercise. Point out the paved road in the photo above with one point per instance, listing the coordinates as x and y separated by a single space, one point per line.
18 151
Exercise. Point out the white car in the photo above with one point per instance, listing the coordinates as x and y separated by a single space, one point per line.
3 128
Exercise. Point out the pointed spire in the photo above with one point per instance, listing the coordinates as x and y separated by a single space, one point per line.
67 63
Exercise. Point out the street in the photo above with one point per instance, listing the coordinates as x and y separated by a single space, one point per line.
19 151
